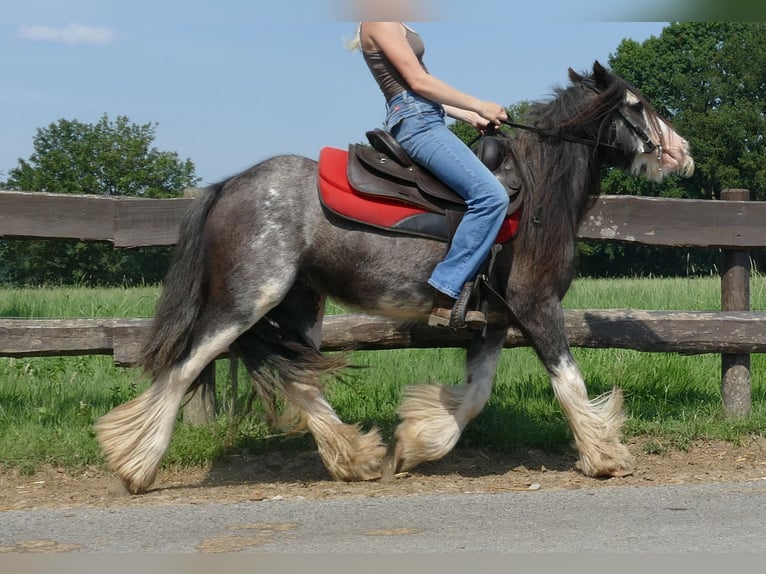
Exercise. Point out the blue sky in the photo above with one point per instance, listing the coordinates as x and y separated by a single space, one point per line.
230 83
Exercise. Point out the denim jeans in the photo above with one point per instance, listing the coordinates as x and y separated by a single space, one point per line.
419 127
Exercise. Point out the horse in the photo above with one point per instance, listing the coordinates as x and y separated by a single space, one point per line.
258 255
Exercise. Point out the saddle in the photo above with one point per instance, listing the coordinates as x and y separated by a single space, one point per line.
380 186
385 170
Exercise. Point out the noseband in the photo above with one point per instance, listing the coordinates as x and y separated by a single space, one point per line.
649 145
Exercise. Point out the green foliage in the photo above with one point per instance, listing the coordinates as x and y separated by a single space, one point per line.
708 79
59 262
105 158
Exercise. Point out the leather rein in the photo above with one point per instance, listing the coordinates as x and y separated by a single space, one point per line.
649 145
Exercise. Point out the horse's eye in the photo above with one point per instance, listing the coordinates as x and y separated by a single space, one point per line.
637 106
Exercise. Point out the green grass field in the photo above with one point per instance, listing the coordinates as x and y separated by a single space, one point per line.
48 405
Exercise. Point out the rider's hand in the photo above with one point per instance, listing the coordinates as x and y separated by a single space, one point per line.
476 121
492 112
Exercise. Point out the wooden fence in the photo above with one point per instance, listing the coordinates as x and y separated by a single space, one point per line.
734 225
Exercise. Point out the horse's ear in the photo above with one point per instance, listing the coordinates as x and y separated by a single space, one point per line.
574 76
600 74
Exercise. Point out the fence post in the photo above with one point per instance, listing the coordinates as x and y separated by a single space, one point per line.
200 409
735 296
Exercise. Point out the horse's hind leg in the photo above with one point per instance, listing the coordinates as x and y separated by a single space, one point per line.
289 344
347 452
135 436
434 416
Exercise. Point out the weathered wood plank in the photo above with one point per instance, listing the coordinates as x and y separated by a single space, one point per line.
133 222
45 337
127 338
669 331
651 331
56 216
676 222
145 222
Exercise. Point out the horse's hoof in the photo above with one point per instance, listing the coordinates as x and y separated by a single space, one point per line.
614 470
621 472
388 468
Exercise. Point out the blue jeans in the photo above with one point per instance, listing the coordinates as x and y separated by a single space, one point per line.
419 127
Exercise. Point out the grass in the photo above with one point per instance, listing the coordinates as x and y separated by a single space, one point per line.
48 405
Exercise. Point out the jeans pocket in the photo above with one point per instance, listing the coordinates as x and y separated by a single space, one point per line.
408 105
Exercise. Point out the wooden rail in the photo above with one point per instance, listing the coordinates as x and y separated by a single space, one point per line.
651 331
135 222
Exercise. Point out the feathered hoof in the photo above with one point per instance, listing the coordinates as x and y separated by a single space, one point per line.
134 437
616 462
353 455
123 455
429 426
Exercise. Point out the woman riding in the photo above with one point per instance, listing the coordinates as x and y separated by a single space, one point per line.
416 103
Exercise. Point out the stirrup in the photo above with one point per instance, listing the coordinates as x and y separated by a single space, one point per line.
455 314
461 316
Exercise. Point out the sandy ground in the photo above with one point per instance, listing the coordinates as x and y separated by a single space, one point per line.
302 475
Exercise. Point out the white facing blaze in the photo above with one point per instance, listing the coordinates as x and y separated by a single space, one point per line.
674 155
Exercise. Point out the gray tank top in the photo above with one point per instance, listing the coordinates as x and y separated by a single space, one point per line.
385 73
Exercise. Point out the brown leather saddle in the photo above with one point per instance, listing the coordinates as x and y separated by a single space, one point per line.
386 170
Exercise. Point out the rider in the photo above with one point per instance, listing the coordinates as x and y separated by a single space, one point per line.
416 103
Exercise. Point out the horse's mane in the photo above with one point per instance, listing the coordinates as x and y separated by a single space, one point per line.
561 175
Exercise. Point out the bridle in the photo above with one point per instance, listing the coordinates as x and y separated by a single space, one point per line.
649 145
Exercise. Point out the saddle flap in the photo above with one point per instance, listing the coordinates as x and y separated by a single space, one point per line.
375 173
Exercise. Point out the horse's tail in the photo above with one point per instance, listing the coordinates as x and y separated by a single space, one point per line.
179 306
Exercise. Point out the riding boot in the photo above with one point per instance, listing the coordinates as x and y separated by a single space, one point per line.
450 312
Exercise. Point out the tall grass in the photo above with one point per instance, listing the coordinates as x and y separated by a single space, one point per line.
48 405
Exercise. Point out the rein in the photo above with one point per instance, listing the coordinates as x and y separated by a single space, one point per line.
564 137
649 145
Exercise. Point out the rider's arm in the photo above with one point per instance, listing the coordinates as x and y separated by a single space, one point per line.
471 118
388 37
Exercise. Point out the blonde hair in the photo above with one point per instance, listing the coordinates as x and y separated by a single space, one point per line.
354 43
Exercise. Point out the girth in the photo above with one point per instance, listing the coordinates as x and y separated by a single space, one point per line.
386 170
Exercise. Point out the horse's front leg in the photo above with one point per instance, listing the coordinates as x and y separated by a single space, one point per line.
433 416
596 424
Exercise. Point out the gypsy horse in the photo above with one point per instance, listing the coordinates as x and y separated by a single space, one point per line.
258 254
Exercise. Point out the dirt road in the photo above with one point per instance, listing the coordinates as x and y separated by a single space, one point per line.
292 475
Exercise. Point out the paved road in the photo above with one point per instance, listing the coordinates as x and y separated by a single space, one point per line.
727 517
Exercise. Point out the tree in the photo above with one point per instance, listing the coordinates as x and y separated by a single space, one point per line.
709 79
106 158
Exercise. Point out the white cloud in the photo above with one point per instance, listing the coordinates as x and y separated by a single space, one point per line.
70 34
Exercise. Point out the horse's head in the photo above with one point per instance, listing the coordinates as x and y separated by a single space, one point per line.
629 123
